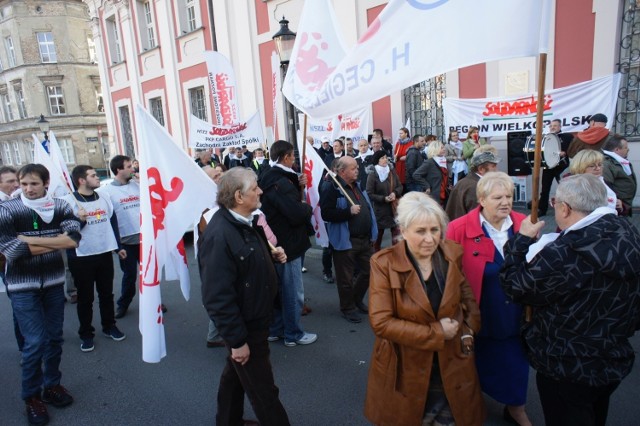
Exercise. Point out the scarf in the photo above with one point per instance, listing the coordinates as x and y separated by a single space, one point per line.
441 161
383 172
285 168
457 146
623 161
365 155
44 206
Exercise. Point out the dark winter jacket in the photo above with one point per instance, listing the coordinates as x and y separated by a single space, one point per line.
288 217
413 161
378 191
239 281
585 291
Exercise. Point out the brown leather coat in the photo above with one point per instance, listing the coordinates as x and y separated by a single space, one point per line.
408 334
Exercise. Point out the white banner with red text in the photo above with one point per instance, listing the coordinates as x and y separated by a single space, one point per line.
572 105
222 82
203 135
354 125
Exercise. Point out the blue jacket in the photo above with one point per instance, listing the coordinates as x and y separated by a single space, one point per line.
336 212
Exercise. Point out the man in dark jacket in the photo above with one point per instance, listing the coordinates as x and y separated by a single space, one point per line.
239 284
290 220
415 158
591 138
584 287
618 172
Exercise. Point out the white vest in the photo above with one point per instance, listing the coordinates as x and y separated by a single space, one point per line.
126 205
97 234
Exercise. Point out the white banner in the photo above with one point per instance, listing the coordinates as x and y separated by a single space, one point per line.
222 82
354 125
572 105
409 42
204 135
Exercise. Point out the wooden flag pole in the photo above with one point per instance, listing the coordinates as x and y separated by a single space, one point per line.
304 151
537 160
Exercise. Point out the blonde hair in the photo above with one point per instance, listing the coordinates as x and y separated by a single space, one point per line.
490 180
584 159
417 206
434 149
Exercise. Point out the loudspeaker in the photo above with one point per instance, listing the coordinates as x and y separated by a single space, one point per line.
516 158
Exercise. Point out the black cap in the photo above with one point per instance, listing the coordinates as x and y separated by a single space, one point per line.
599 118
375 159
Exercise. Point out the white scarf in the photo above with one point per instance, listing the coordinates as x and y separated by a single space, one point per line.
623 161
285 168
457 146
383 172
442 161
43 206
536 247
365 155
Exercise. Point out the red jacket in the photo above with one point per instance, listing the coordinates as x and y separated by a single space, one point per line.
478 250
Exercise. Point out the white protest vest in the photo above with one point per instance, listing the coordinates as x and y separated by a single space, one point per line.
126 205
97 234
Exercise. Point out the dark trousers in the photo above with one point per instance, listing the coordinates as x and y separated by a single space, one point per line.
86 271
326 260
16 327
256 379
351 291
568 404
548 176
130 271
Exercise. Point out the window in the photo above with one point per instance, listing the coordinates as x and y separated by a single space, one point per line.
7 153
127 136
56 100
627 119
16 152
115 48
6 107
66 148
11 52
147 31
423 103
198 104
47 47
22 109
99 99
155 105
191 15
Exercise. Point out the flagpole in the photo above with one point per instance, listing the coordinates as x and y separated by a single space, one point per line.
304 151
537 160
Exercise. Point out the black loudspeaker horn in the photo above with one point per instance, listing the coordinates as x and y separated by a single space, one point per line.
516 158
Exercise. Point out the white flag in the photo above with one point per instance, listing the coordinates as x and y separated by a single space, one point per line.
57 187
222 82
313 168
173 193
409 42
58 159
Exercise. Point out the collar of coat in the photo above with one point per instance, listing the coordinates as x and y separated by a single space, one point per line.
474 229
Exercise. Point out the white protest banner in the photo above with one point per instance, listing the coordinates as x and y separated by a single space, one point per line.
313 168
396 52
203 135
354 125
222 82
572 105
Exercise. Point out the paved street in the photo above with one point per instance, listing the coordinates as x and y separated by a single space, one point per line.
321 384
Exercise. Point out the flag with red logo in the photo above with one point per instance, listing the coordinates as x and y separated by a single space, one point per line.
57 186
313 168
222 82
409 42
173 193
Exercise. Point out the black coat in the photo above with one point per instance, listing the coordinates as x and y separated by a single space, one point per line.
239 281
413 161
429 176
377 192
288 217
585 291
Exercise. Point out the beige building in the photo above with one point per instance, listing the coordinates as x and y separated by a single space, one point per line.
48 66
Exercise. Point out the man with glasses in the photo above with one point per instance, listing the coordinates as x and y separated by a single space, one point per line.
618 172
584 286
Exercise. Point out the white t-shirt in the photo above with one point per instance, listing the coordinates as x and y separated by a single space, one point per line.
97 234
126 205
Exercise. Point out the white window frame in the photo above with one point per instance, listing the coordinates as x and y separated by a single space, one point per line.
192 91
146 24
22 107
6 107
67 150
189 15
11 51
156 108
56 100
47 47
190 7
17 156
7 154
113 36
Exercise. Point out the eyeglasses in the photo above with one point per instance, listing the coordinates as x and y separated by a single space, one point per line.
553 203
594 166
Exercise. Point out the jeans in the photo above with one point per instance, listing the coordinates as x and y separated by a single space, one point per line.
351 291
86 271
213 335
130 271
255 378
16 328
566 403
286 317
40 315
327 253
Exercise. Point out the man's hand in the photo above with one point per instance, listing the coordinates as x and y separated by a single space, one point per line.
450 327
279 255
82 214
355 209
241 355
302 180
530 229
122 254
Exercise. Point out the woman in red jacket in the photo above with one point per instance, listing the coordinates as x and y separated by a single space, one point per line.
500 359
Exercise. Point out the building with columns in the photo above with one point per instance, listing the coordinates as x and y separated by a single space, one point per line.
150 52
48 66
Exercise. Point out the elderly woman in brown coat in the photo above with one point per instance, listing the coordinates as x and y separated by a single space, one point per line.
424 316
